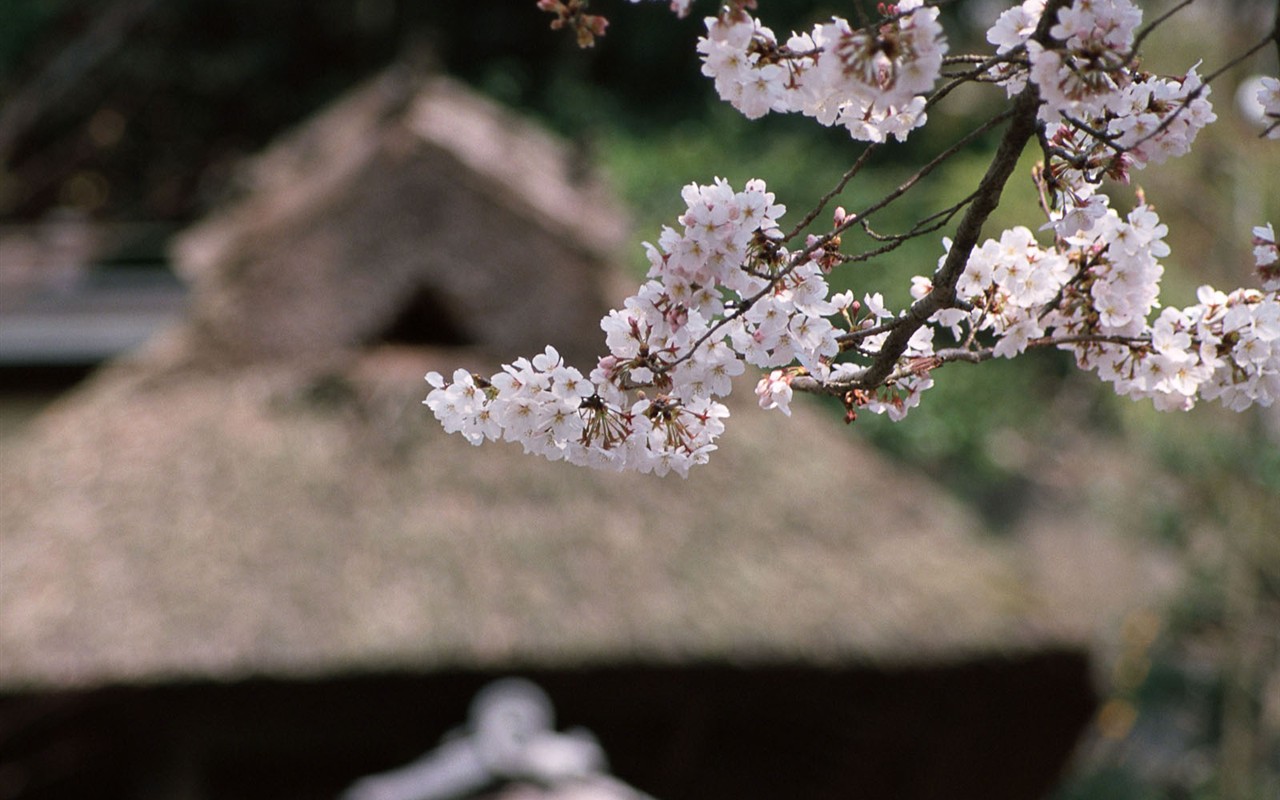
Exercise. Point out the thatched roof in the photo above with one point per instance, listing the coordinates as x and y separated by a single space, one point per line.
260 493
409 195
276 520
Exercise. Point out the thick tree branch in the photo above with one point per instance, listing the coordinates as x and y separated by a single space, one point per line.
1022 127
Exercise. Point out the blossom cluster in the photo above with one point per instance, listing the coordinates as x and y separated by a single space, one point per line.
1005 283
1103 116
1269 98
722 293
869 80
1223 348
1093 293
1266 256
1096 287
1087 69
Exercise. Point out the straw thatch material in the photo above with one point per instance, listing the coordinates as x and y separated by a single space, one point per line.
280 522
404 187
260 494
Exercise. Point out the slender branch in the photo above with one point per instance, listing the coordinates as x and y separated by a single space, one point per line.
894 195
911 182
973 74
1191 96
965 59
1153 24
980 354
1085 127
852 337
951 355
1089 338
1273 36
839 187
948 356
922 226
930 224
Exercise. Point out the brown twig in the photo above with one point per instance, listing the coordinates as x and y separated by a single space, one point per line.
839 187
951 355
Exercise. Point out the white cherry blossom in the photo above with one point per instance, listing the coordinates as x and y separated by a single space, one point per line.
725 291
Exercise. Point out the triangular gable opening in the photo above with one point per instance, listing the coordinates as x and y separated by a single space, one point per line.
424 319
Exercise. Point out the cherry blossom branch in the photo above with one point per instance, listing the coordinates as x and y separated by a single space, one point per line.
951 355
976 74
902 188
726 291
1082 161
1202 88
978 355
820 242
1021 128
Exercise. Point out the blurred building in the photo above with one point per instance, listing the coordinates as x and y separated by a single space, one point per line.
243 562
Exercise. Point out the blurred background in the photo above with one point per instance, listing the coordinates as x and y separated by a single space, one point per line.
125 125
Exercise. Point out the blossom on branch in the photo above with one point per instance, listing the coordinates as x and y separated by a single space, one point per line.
869 80
1266 256
1092 293
722 293
727 288
1082 75
1269 98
